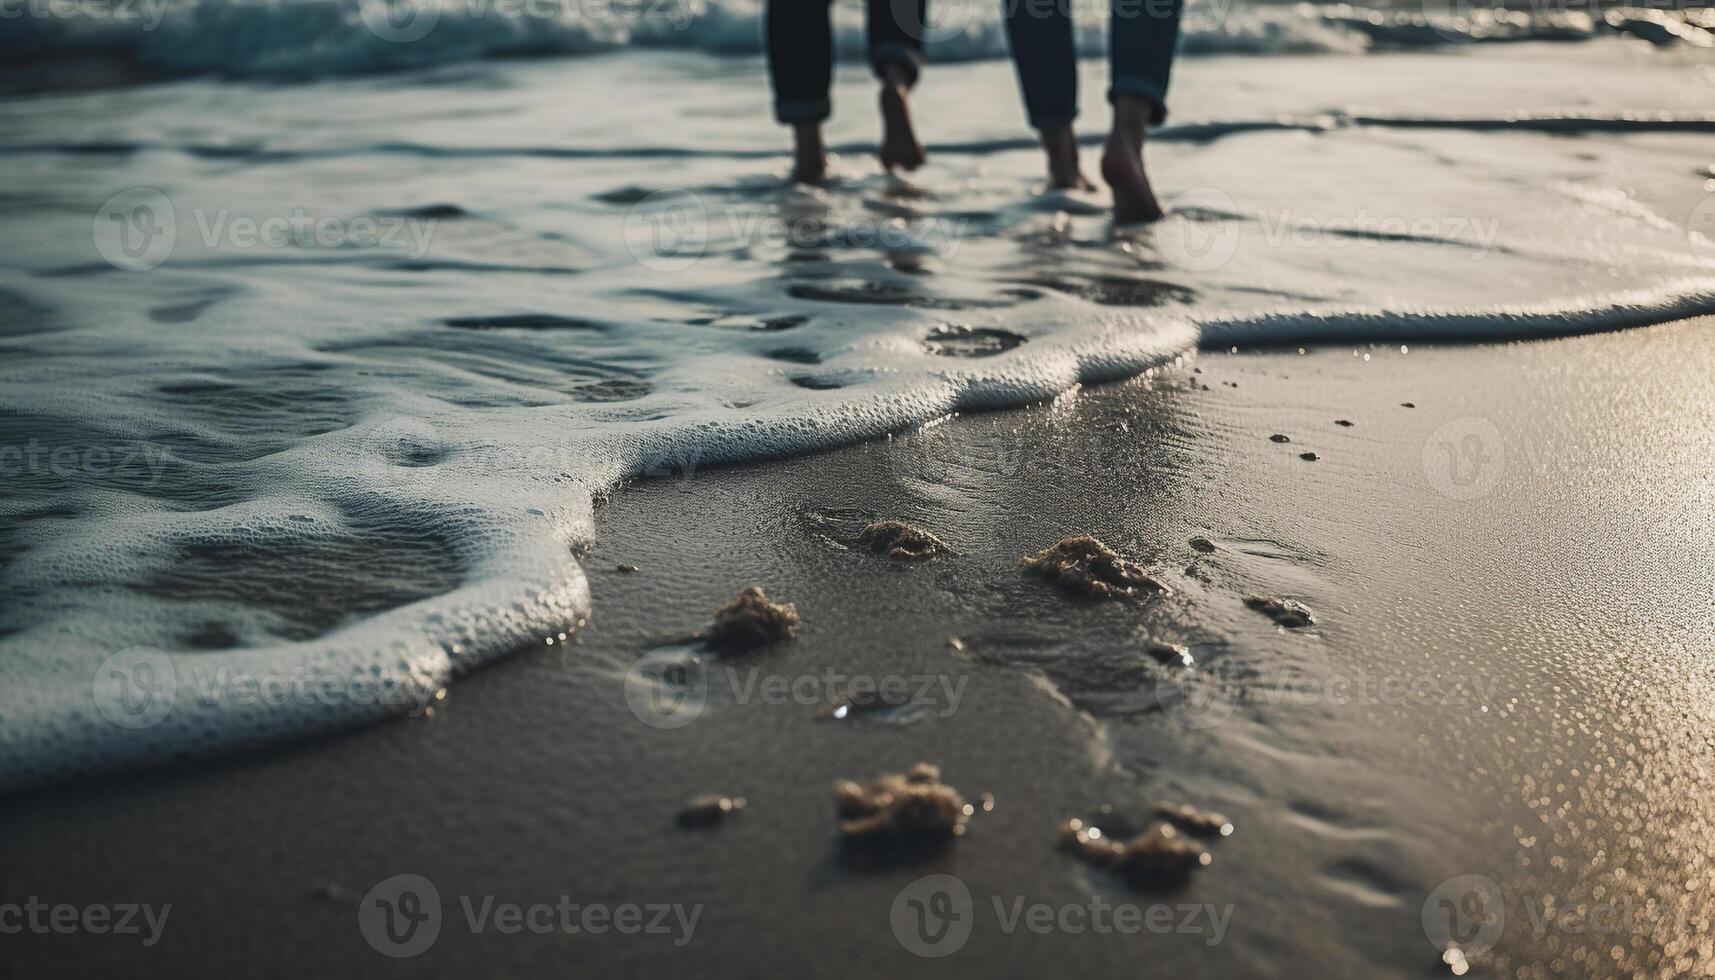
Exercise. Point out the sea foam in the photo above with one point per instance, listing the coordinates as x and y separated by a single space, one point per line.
261 487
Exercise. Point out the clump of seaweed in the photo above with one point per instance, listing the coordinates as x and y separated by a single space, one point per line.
1158 857
708 810
1084 565
1287 612
897 539
748 620
901 807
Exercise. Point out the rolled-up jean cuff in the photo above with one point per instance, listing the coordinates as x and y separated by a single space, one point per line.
893 53
803 111
1155 92
1043 124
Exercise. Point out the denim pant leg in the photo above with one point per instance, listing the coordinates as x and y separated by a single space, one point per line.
1141 45
896 35
1043 51
800 59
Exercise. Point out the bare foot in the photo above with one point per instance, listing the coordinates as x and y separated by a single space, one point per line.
1122 164
899 146
1064 171
809 156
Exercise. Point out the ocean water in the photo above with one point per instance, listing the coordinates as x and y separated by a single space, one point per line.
313 373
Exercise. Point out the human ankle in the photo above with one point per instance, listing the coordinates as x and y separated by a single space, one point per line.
1131 122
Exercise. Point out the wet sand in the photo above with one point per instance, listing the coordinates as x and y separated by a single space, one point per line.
1508 676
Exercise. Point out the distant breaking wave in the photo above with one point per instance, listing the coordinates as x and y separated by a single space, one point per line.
308 39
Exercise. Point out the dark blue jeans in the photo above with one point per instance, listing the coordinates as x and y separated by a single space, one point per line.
1142 39
801 51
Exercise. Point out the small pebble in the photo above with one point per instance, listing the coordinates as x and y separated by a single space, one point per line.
1277 437
1406 405
1287 612
627 568
1202 544
1348 423
1172 655
1309 457
706 811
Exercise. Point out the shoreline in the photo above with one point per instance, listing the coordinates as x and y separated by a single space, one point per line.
1354 786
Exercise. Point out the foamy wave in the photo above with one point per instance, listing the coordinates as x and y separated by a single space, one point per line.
299 487
318 38
1588 314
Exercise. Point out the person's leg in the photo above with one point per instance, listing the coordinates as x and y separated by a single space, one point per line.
1045 55
1142 41
896 53
801 69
